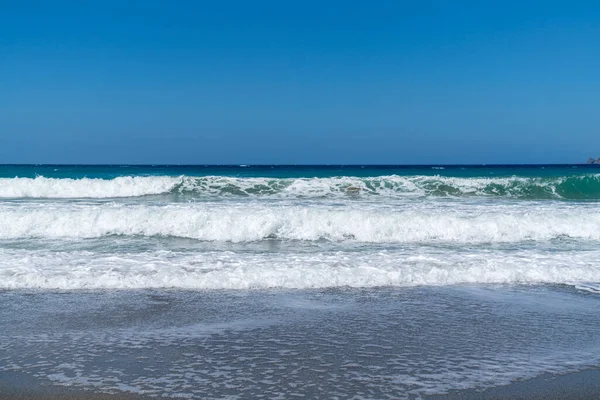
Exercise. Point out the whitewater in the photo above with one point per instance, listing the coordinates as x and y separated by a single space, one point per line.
59 219
247 222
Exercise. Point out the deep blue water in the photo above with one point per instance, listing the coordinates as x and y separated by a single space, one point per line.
292 171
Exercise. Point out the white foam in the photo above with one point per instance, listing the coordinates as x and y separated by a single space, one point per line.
125 186
231 270
302 187
591 287
243 222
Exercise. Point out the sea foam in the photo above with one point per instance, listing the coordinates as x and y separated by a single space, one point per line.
124 186
422 222
234 270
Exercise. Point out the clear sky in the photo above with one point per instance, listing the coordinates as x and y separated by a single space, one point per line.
286 82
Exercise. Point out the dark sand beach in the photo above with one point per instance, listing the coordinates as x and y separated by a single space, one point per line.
583 385
20 386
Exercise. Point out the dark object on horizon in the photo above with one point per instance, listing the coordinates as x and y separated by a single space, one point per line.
592 160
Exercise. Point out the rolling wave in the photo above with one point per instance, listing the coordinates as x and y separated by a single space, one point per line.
230 270
255 222
564 187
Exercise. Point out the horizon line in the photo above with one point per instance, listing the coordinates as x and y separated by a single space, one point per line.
241 165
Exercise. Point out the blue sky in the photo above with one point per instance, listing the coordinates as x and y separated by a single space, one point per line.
222 82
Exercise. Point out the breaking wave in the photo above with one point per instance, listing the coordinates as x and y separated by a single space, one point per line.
255 222
565 187
124 186
230 270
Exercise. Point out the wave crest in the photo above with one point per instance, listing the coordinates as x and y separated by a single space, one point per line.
565 187
248 223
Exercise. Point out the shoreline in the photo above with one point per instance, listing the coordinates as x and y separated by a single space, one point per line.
22 386
581 385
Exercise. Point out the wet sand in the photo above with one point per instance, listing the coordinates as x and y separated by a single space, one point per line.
20 386
24 395
584 385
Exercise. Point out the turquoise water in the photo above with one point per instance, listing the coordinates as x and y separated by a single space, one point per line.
378 281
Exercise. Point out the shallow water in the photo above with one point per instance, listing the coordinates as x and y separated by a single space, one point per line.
344 343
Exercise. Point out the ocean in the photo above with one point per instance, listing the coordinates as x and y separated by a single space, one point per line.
364 282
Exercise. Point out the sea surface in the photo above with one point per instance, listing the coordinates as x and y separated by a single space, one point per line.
362 282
